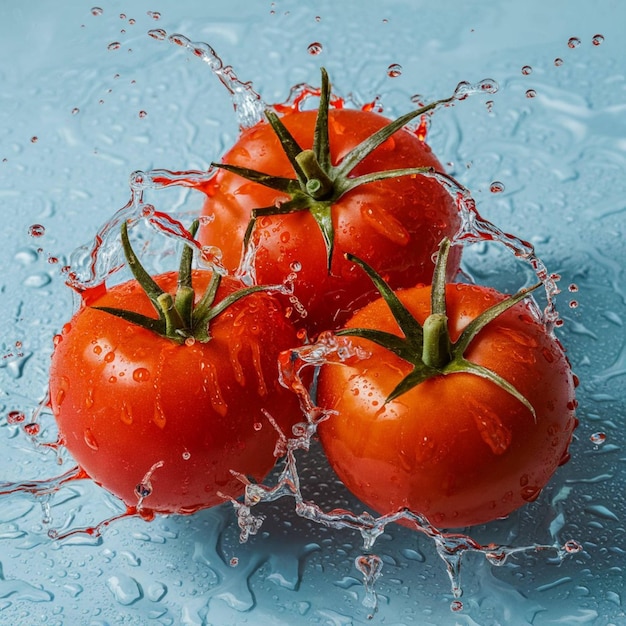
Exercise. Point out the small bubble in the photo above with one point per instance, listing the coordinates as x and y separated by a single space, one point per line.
34 139
526 70
318 18
597 40
131 21
234 562
573 304
37 230
75 111
155 15
96 11
573 288
496 187
314 48
296 266
597 439
573 42
394 70
122 16
531 93
186 455
114 45
558 61
258 426
142 114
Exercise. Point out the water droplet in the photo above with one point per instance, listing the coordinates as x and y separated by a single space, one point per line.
90 440
573 304
496 187
34 139
598 438
572 546
37 230
456 606
257 426
96 11
573 288
531 93
526 70
296 266
155 15
315 48
489 105
143 490
234 562
114 45
558 61
186 455
530 493
15 417
32 429
573 42
141 375
158 33
596 40
394 70
125 590
142 114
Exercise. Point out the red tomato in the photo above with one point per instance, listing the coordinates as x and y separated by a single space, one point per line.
143 415
457 448
394 224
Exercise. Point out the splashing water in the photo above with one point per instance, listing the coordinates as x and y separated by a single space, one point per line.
93 263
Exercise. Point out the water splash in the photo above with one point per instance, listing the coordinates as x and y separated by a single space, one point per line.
248 105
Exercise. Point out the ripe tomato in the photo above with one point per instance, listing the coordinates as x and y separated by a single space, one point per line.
395 224
457 447
160 423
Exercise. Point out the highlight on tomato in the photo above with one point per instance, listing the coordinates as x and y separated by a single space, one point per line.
302 189
462 410
162 387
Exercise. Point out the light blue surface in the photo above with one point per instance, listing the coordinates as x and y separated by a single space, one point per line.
562 159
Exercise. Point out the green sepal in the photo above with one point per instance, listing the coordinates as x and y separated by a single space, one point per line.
317 179
429 347
179 318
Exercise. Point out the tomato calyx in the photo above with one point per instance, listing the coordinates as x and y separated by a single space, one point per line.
180 317
428 347
318 184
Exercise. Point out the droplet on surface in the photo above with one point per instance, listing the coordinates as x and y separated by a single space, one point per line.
598 438
526 70
142 114
531 93
96 11
573 42
597 40
37 230
394 70
496 187
315 48
157 33
155 15
558 61
114 45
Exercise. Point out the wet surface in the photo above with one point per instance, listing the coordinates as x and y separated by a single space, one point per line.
90 98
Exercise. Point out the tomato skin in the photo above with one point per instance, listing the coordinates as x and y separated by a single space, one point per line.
456 448
127 400
395 225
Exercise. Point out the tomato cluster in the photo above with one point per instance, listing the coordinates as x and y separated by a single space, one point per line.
165 388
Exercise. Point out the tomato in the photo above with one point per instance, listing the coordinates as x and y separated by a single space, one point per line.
161 423
453 444
395 224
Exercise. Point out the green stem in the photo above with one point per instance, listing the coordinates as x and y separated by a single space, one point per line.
318 183
436 349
